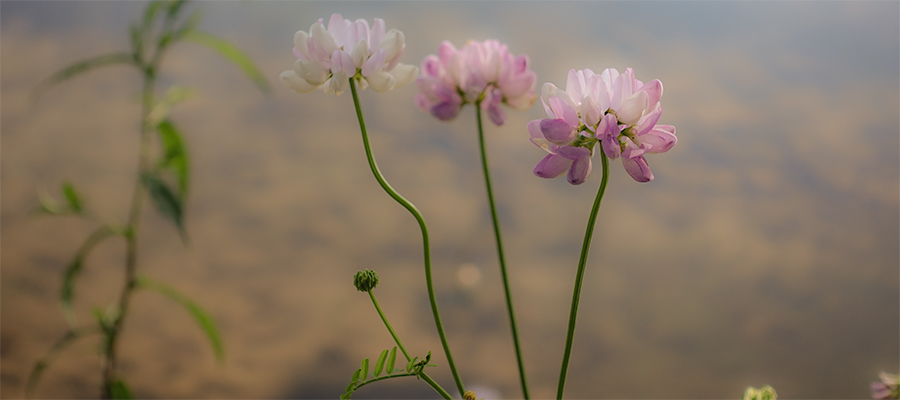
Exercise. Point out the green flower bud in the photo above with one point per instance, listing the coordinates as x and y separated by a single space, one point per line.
469 395
365 280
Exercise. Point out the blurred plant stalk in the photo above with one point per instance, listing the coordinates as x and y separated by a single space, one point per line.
158 168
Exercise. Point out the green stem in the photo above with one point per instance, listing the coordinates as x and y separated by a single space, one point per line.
423 375
499 240
131 237
579 277
388 326
427 248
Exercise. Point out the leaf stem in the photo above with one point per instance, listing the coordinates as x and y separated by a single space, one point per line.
500 254
579 277
387 324
427 249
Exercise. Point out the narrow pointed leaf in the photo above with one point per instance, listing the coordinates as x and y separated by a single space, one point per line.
72 197
410 364
355 377
231 53
81 67
379 365
389 367
365 370
175 156
203 319
166 201
67 291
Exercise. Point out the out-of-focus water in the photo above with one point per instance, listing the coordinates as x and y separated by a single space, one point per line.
765 252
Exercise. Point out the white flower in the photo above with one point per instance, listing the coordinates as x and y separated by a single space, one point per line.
328 58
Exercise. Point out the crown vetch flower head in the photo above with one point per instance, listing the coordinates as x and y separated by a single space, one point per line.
328 58
612 109
483 73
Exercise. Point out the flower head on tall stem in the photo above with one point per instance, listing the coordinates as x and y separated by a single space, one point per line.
483 73
328 57
612 109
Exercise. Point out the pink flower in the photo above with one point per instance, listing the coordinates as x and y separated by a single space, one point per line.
328 58
482 73
616 110
887 388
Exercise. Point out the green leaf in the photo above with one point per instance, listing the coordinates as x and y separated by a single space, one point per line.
355 378
81 67
410 364
231 53
119 390
379 365
166 201
42 364
175 156
365 369
203 319
389 368
72 197
67 291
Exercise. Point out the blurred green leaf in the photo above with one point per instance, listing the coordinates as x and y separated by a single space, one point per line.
379 365
389 368
231 53
175 156
355 378
166 201
72 197
203 319
119 390
81 67
42 364
67 291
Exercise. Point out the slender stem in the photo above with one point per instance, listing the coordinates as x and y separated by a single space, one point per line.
131 236
427 248
579 277
388 326
497 236
423 375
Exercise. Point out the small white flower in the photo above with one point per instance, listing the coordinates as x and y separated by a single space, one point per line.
328 58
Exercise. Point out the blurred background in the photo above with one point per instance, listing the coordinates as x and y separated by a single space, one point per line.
765 252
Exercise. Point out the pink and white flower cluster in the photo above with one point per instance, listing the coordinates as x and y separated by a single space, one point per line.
482 73
328 58
615 110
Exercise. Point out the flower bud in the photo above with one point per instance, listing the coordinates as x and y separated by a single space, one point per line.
365 280
469 395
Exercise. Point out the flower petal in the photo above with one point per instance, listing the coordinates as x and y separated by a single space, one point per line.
323 38
445 111
311 71
300 43
404 74
381 81
632 108
552 166
360 53
557 130
661 138
637 168
290 79
498 117
579 171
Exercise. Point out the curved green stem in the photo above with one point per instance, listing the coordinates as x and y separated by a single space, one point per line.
423 375
579 277
499 240
427 248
